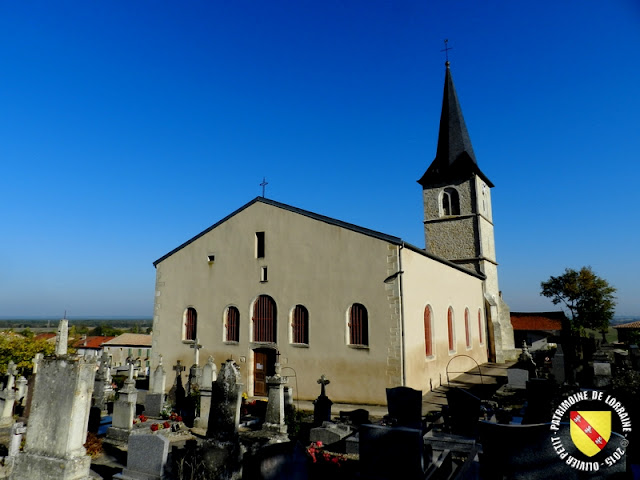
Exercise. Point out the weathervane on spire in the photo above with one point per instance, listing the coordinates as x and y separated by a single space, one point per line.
446 50
263 184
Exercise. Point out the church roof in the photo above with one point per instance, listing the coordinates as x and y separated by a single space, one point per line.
455 159
130 340
331 221
537 320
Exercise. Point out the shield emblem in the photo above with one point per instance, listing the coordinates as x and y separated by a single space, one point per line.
590 431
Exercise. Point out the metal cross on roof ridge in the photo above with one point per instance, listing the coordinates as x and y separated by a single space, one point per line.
446 49
263 184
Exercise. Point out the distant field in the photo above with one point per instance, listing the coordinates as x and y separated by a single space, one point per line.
39 325
611 335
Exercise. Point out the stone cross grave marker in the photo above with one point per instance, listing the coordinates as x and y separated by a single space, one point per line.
62 337
322 404
323 381
196 354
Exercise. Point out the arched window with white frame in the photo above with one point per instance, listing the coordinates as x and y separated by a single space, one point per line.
232 325
300 325
358 325
451 331
190 324
264 320
467 329
428 331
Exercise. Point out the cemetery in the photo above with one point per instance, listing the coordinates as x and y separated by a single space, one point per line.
70 420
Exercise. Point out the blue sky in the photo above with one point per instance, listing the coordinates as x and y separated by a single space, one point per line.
128 127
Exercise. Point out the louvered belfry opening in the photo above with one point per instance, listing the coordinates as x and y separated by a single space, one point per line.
358 325
264 319
190 326
233 324
300 325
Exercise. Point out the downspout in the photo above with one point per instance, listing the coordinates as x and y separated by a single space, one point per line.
401 299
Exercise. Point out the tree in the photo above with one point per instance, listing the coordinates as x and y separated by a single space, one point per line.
21 351
589 298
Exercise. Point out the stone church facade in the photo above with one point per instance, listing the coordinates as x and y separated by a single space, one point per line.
272 282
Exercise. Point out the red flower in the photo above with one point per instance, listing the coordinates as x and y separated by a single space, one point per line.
154 427
179 418
166 425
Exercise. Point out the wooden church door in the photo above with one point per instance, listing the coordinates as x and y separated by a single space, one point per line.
263 366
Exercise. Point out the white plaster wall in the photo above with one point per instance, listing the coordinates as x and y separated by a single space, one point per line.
428 282
321 266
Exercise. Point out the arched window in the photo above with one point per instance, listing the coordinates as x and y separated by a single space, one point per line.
450 202
264 319
232 325
358 325
451 330
467 330
300 325
479 326
428 332
190 324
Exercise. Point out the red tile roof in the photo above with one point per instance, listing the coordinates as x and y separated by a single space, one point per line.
131 340
44 336
91 342
629 325
537 320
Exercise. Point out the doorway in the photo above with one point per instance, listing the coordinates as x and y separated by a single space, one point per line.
264 361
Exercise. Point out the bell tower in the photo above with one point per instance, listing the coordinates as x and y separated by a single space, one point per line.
458 217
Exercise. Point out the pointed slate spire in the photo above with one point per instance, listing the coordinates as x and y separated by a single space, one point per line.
455 159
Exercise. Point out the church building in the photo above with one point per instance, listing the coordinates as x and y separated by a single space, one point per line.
272 282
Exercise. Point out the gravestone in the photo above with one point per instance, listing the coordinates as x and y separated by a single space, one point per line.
124 411
539 400
158 378
17 431
58 419
522 370
222 454
278 461
8 396
517 378
226 395
634 353
330 433
95 416
154 400
22 385
355 417
557 366
102 389
405 406
392 453
195 372
525 452
322 404
209 375
146 458
176 392
601 370
463 411
274 418
32 378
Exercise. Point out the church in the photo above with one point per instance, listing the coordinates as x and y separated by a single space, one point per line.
275 283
